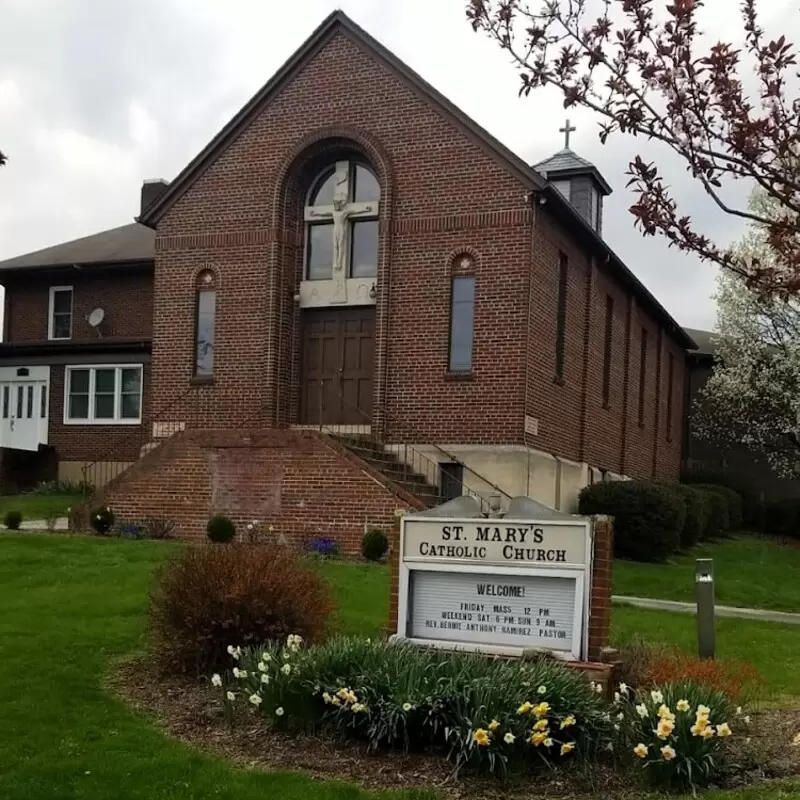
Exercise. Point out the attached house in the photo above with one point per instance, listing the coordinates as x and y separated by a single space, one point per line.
353 300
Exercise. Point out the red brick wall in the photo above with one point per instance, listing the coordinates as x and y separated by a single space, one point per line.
90 442
442 195
125 293
300 482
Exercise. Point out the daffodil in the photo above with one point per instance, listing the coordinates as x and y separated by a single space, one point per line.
640 750
567 722
509 738
407 708
262 667
231 696
641 710
723 730
480 737
538 737
548 742
567 748
255 699
665 713
665 728
216 680
525 708
668 753
738 711
494 725
541 725
703 711
708 732
279 711
266 658
541 709
623 688
541 690
326 697
264 678
683 705
286 669
698 728
656 696
617 697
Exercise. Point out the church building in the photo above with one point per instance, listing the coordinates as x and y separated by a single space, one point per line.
354 300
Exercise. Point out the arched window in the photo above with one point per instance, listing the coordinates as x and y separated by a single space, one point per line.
205 317
341 217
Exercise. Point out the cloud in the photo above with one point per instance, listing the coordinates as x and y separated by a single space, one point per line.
95 96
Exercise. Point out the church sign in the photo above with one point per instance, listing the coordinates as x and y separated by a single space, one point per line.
499 586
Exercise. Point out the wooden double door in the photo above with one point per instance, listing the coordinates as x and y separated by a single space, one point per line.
336 366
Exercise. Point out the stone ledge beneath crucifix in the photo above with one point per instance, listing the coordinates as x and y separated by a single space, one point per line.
319 294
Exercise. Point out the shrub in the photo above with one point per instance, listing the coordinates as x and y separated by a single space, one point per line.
220 529
374 545
734 500
694 525
131 530
156 527
491 714
782 517
102 520
323 546
751 504
12 520
718 523
650 667
677 731
646 517
63 487
210 597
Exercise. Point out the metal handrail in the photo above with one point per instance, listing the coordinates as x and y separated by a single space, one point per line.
136 439
412 456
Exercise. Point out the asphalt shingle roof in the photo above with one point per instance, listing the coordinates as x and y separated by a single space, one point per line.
132 242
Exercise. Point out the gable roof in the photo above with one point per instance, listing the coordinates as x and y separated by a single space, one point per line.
336 22
128 243
704 345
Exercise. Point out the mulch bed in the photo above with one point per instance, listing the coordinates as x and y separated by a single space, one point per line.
191 711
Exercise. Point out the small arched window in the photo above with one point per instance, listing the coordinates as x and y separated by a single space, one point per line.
341 215
205 318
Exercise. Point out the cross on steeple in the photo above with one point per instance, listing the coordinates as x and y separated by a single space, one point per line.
567 130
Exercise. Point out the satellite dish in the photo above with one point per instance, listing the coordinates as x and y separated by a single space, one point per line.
96 317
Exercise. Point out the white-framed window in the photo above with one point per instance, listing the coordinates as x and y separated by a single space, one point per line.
105 394
59 323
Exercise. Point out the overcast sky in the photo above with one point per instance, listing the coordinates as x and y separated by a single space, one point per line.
96 95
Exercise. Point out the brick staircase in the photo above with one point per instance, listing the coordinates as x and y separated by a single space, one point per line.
392 468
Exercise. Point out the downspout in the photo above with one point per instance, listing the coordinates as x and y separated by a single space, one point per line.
531 198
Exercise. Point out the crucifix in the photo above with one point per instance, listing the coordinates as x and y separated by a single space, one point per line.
342 210
567 130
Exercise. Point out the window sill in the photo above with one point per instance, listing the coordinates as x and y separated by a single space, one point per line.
202 380
102 422
466 375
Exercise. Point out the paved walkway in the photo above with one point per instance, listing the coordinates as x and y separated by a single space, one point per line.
62 524
722 611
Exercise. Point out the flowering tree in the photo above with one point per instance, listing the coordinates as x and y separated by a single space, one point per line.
643 67
753 394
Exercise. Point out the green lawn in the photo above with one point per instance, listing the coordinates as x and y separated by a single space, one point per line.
38 506
749 572
70 606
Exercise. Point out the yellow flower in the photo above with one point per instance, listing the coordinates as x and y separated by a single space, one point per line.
708 732
541 710
567 748
698 728
541 725
664 713
481 737
668 753
538 738
723 730
567 722
703 711
665 728
640 750
525 708
683 705
494 725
